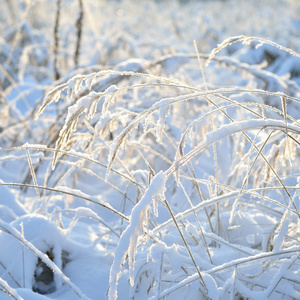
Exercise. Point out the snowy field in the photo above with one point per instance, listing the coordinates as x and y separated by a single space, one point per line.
149 149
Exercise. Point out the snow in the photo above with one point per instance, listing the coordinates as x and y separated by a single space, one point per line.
48 238
139 173
129 239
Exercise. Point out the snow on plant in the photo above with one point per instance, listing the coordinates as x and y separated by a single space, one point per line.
129 239
216 158
257 130
31 224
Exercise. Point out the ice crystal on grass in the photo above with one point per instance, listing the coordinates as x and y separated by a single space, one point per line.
138 174
129 240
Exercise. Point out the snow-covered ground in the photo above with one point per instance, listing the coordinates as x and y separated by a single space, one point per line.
159 163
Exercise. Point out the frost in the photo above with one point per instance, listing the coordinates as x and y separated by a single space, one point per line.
242 126
12 292
163 110
136 103
247 40
74 85
90 79
32 227
129 240
72 191
109 95
283 229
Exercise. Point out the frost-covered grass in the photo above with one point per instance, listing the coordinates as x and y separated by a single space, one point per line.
161 163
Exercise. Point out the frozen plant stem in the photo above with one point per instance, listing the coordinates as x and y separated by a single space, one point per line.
209 103
55 52
198 222
4 287
66 192
284 110
159 277
33 173
23 255
129 239
79 31
16 234
185 243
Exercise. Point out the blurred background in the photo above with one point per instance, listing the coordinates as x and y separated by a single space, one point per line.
113 31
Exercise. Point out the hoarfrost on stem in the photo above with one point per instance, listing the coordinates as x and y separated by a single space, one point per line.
129 239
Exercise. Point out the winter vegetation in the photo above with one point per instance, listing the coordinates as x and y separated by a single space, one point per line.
149 149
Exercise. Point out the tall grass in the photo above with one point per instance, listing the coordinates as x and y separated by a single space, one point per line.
195 185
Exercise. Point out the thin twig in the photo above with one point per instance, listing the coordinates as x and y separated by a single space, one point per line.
56 40
79 33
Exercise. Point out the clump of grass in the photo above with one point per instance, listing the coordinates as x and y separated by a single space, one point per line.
190 172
